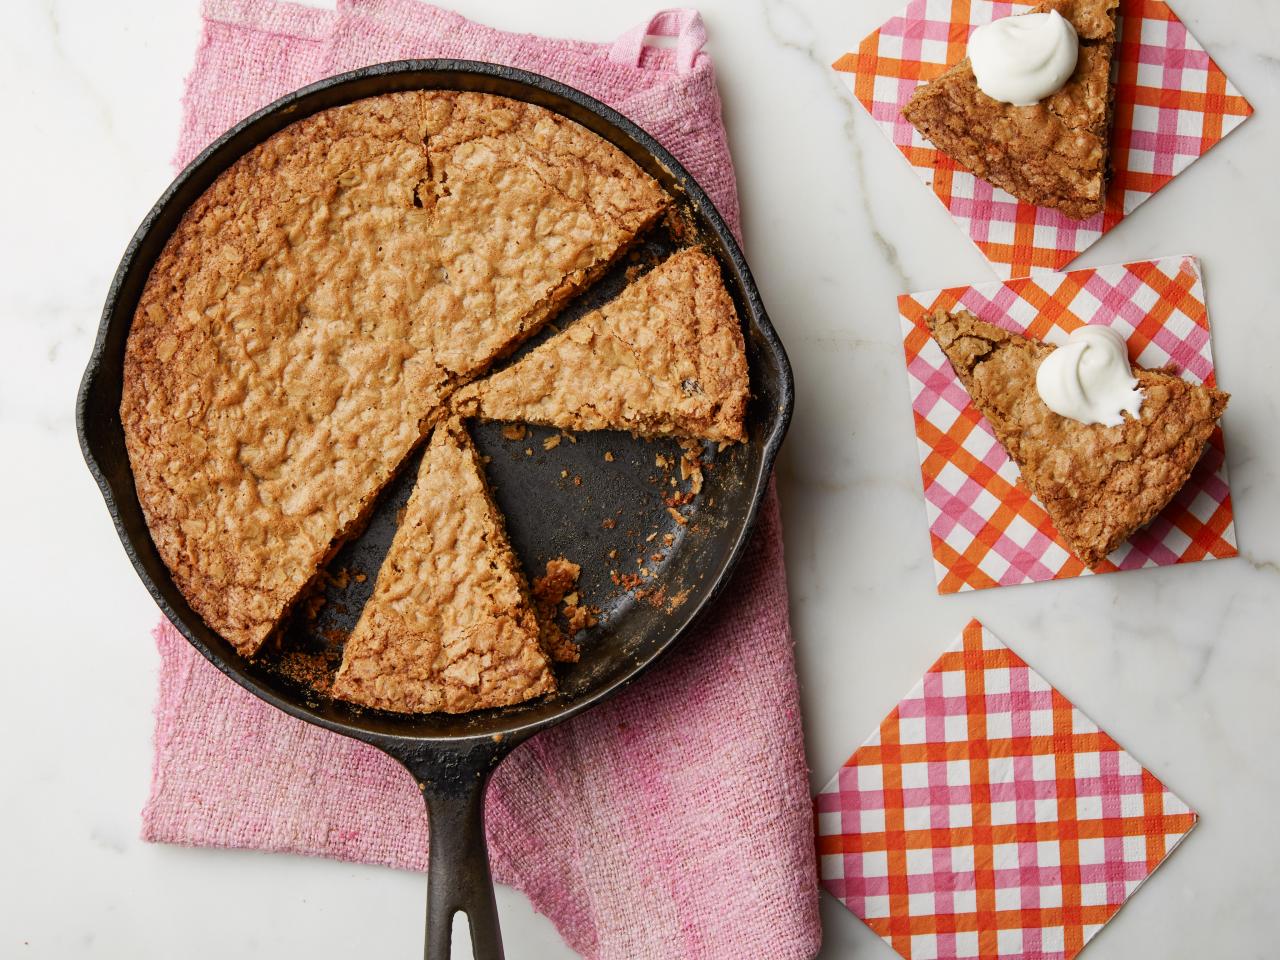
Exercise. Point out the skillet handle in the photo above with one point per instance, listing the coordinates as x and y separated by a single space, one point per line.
453 780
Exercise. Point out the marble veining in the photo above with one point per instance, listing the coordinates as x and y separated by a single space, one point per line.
1181 665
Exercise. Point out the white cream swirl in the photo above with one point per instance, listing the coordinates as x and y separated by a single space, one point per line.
1089 378
1023 59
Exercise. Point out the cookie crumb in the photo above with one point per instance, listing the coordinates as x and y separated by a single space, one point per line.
551 591
628 581
315 670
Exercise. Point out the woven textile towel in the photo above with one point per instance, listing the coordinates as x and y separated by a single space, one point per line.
672 821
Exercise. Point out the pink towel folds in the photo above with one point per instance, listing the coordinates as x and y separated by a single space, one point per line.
672 821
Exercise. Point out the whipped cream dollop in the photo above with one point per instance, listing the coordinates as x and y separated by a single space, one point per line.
1023 59
1089 378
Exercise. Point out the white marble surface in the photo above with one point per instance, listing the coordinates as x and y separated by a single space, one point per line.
1181 665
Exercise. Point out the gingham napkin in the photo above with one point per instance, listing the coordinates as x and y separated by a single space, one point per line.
988 817
1172 104
984 527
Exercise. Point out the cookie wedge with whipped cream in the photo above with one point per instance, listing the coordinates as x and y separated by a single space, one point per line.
1098 482
1029 109
666 357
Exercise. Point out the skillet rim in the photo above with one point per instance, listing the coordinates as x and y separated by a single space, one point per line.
390 74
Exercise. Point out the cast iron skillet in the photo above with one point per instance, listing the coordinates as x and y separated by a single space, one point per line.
555 500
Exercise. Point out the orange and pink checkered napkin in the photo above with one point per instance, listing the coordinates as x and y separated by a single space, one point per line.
984 526
1172 104
989 818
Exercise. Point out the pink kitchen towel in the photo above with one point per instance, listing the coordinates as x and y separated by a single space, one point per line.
672 821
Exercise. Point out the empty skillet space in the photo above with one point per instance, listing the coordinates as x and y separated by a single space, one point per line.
619 506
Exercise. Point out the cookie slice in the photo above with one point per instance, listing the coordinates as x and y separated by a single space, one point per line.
1052 154
666 357
1099 484
449 627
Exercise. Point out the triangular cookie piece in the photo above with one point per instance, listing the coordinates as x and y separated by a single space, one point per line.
449 626
1054 153
1099 484
666 357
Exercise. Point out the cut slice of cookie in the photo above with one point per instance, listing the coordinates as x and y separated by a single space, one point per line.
1099 484
666 357
450 626
1054 153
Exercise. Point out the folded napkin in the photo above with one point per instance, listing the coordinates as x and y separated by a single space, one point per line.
989 819
674 820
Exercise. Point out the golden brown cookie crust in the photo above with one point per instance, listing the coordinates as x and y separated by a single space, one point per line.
1052 154
666 357
449 626
321 300
1099 484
